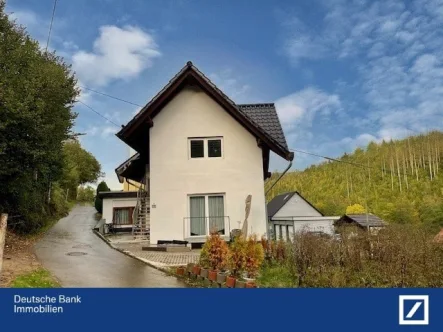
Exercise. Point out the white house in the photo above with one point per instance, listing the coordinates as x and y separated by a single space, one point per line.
290 212
199 155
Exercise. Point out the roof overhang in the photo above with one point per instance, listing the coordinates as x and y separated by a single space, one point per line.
134 168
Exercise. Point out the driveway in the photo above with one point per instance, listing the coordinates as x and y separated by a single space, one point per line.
78 258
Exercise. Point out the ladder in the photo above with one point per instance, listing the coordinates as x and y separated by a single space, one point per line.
140 229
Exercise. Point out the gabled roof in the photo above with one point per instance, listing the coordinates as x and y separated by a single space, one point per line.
279 201
261 119
363 220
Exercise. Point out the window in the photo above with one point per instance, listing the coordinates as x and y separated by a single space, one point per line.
214 148
122 215
210 147
197 149
207 214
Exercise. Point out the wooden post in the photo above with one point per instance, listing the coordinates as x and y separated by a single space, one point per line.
3 223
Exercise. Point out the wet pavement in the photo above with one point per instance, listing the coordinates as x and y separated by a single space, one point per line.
79 258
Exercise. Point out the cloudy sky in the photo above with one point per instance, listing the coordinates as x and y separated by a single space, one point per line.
342 73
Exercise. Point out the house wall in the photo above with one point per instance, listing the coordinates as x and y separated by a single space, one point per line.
298 207
110 203
174 176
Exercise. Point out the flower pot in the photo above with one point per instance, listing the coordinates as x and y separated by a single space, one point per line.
251 284
189 267
221 277
212 275
240 284
204 272
196 270
180 271
230 282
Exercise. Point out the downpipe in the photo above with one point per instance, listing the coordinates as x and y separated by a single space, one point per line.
291 158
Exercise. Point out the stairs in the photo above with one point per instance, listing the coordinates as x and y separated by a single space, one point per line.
140 229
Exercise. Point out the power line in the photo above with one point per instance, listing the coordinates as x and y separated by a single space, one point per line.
332 159
113 97
50 26
98 113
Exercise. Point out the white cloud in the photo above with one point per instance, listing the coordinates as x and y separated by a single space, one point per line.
118 53
398 47
300 108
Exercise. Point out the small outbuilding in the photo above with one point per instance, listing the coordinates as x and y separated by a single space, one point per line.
366 221
118 209
291 212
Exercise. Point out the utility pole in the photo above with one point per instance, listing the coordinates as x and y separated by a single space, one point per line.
3 223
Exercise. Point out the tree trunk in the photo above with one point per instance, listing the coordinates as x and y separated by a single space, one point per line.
398 170
3 223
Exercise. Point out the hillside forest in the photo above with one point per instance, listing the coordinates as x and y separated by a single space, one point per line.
399 180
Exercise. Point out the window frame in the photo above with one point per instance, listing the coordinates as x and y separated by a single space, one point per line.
207 229
131 212
206 147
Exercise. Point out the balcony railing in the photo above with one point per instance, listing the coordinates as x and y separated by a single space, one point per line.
203 226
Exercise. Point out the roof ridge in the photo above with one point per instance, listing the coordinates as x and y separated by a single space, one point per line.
257 104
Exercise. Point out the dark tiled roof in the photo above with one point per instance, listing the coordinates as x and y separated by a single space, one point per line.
364 220
277 203
117 194
265 116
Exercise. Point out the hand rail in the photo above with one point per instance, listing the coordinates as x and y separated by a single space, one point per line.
187 226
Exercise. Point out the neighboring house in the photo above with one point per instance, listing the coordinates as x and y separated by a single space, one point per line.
290 212
365 221
199 155
118 209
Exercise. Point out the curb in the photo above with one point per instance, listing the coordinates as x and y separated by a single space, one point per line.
127 253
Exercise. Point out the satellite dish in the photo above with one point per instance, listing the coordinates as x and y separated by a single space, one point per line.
247 211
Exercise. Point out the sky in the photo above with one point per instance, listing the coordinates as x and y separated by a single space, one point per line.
341 73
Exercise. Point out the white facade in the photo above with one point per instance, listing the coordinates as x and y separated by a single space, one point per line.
116 202
174 176
298 215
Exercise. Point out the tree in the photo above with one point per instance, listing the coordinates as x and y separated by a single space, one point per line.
85 194
355 209
102 186
37 94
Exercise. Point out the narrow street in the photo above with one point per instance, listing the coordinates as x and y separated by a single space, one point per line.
78 258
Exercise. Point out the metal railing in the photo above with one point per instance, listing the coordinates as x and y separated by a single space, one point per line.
219 224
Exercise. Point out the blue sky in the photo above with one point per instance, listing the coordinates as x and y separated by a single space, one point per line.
342 73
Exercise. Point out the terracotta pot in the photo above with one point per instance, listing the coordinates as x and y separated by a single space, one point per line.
251 284
212 275
180 271
196 270
189 267
221 277
240 284
230 282
204 272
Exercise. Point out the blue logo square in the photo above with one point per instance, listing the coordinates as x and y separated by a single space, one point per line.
414 310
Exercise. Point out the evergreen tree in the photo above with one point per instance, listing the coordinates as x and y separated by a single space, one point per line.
102 186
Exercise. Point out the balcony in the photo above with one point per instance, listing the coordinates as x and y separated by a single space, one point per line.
196 229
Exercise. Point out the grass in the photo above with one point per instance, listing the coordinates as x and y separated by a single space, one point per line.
275 276
39 278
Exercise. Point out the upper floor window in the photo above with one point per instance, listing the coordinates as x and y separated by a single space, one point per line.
206 147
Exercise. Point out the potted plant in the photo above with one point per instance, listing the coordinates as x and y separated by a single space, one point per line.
254 257
189 268
180 271
217 253
236 261
221 276
196 269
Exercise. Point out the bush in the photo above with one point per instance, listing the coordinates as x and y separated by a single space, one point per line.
237 256
398 256
254 256
102 186
215 252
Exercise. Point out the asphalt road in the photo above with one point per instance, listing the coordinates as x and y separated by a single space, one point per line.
79 258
